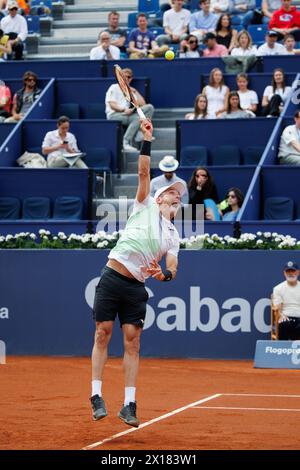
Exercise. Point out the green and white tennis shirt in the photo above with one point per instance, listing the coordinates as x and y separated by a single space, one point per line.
148 236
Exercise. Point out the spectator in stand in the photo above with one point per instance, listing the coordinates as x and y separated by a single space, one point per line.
216 93
233 203
3 6
104 49
275 95
189 48
245 47
5 47
118 35
15 26
168 165
204 21
289 44
226 35
268 7
200 109
219 6
234 110
248 98
289 147
59 142
25 97
271 46
175 23
118 109
5 101
244 9
202 186
142 42
213 49
286 20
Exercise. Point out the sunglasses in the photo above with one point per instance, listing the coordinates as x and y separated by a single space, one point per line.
192 42
30 80
232 196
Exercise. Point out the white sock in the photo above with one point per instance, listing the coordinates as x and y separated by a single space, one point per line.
129 395
97 388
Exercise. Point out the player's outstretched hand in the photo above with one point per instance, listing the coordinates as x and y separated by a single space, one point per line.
146 128
155 271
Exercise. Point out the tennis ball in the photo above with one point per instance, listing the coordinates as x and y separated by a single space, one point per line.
169 55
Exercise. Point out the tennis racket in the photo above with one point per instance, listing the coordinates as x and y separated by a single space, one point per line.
129 96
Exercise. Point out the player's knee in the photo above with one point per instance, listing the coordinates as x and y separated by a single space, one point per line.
102 337
132 345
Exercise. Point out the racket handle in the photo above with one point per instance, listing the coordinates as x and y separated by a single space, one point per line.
142 116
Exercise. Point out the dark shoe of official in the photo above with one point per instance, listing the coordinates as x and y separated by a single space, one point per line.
98 406
128 415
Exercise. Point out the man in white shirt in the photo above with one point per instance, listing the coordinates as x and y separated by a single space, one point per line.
15 26
61 142
289 147
175 23
119 109
286 297
271 47
168 165
105 50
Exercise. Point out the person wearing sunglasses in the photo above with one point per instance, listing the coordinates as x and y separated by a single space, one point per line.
15 26
189 48
25 97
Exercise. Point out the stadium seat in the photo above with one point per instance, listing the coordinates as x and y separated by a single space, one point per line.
71 110
157 31
193 156
95 111
279 208
99 158
67 208
131 21
226 155
43 7
252 155
9 208
258 32
148 5
194 5
33 24
36 208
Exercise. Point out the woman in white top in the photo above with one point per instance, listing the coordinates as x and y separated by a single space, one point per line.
275 95
200 109
248 98
245 47
216 93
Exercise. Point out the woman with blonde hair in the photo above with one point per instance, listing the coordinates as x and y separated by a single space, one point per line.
245 47
216 93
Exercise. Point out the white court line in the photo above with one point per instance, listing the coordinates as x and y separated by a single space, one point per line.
258 395
246 409
152 421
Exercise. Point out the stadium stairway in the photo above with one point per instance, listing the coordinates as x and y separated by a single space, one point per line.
76 33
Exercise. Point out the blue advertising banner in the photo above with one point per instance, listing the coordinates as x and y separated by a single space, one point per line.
217 307
277 355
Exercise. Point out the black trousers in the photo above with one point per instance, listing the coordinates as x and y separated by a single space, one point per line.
289 329
273 107
295 33
16 48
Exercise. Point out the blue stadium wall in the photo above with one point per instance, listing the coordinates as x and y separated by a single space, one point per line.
217 307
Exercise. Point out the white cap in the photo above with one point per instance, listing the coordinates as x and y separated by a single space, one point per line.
178 185
13 4
168 163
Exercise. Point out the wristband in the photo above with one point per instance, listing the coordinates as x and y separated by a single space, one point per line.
146 148
168 275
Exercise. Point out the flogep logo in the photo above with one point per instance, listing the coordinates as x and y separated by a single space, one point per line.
293 351
205 314
2 352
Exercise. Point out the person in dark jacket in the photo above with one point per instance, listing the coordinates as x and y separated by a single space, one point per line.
25 97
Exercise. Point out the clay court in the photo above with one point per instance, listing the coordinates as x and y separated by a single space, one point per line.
182 404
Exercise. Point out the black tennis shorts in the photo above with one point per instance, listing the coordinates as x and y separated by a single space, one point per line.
118 294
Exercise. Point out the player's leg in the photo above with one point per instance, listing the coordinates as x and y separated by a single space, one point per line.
131 336
99 357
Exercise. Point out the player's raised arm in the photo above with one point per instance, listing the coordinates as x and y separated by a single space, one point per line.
144 161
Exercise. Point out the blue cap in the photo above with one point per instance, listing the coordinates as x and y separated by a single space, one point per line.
290 265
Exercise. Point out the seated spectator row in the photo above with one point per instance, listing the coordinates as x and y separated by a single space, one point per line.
40 208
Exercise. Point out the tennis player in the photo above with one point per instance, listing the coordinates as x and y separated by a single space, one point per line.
148 236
